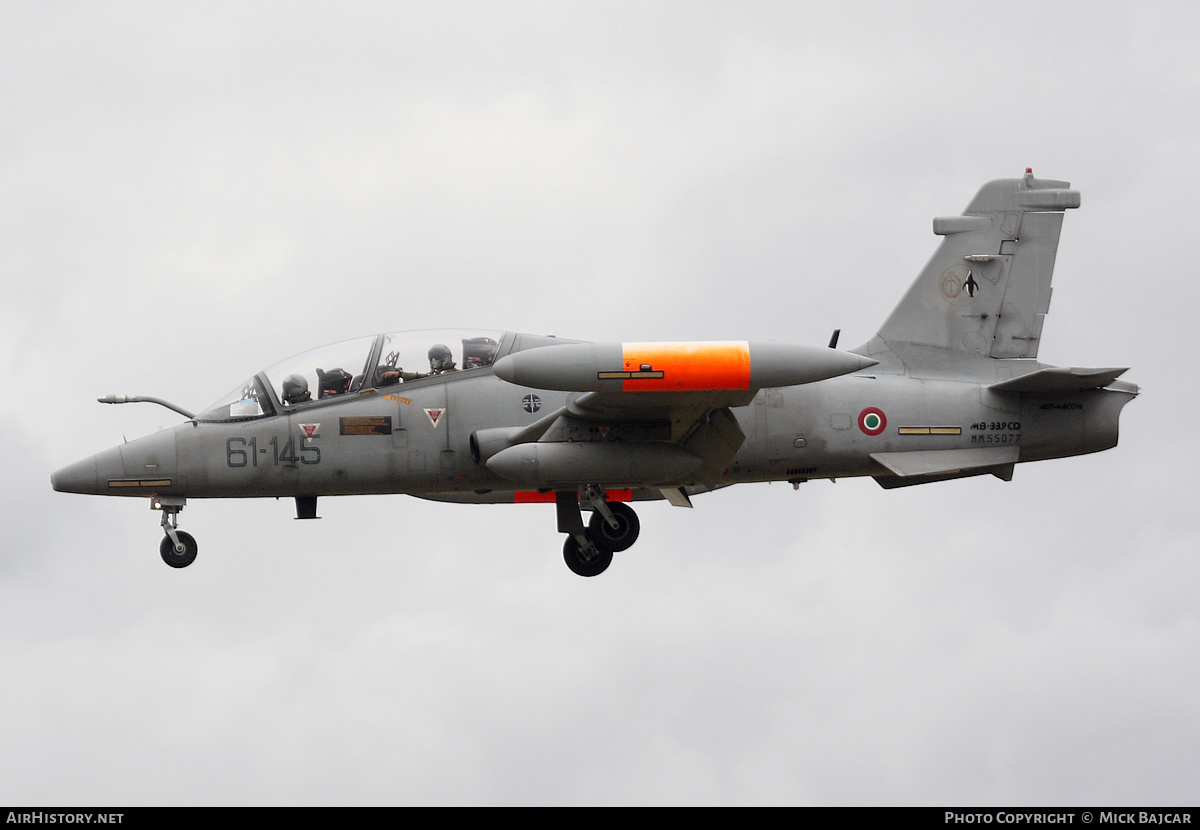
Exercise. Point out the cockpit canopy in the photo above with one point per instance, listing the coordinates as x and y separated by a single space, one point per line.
359 365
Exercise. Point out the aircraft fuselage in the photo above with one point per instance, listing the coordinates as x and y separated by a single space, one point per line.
415 438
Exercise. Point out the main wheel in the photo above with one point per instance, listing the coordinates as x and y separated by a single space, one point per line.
173 558
595 566
617 538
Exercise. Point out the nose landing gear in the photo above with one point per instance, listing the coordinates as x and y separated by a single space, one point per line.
180 552
178 548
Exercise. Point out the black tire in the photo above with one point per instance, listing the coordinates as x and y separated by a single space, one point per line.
617 538
178 560
585 567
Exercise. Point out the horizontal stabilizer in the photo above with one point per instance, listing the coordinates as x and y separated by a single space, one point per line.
1059 379
937 462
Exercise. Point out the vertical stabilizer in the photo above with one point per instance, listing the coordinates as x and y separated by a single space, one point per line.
987 288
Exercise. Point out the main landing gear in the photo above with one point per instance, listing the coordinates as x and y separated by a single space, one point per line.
178 549
613 527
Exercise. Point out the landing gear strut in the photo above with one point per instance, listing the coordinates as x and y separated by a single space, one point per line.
613 527
178 548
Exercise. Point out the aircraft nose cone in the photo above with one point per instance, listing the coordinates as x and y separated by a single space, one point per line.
91 475
79 477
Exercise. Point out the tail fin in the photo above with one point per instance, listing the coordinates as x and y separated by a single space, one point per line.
987 288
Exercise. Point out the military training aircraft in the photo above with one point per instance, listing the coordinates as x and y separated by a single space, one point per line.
949 387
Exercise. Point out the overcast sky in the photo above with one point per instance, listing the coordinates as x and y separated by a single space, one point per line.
190 192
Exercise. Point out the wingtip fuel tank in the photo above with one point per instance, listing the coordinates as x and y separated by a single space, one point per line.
675 367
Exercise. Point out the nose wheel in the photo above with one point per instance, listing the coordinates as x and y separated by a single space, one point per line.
180 553
178 548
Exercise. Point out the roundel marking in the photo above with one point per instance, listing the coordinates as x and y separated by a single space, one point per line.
531 403
872 421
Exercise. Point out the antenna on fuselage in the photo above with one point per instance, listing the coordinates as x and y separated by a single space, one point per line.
833 340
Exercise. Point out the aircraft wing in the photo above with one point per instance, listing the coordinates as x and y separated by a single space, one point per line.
667 404
700 423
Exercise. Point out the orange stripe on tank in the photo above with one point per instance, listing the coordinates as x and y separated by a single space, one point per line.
687 366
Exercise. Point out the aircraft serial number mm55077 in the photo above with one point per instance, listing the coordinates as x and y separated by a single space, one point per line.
949 387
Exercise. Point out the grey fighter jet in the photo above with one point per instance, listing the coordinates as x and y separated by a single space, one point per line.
949 387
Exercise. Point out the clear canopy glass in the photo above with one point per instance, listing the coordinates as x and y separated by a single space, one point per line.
355 365
246 400
413 355
321 373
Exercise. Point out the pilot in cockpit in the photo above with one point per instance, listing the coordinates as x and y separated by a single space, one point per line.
389 373
295 390
441 360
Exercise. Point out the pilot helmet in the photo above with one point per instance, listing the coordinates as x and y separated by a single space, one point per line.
440 359
295 389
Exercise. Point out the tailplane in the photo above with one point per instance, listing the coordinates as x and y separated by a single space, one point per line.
986 290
